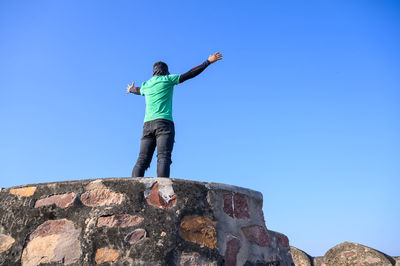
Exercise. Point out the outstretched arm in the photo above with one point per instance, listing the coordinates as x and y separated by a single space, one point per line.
132 89
198 69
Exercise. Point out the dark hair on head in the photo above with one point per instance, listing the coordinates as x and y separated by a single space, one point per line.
160 69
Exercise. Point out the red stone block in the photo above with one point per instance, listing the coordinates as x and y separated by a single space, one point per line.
282 240
101 197
241 208
52 227
52 242
62 201
228 204
156 200
232 249
257 234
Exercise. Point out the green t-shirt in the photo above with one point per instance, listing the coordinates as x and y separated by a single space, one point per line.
158 92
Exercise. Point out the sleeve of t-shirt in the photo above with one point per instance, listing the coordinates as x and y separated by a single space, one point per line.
142 88
174 79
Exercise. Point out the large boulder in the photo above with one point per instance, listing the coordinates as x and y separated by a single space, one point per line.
349 253
300 258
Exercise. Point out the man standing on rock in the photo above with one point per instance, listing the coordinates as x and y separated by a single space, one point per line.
158 128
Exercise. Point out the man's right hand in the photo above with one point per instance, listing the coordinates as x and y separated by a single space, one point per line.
215 57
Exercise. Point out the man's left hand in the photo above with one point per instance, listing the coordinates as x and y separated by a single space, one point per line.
128 89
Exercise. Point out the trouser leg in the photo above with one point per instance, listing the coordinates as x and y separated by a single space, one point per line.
165 142
147 146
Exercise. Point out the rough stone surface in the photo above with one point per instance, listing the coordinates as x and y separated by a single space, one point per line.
119 220
232 250
300 258
194 259
101 197
106 255
135 236
6 242
155 198
56 235
53 241
186 225
23 191
318 261
349 253
199 230
221 198
62 201
257 234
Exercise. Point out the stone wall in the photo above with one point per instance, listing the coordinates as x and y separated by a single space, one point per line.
345 254
141 221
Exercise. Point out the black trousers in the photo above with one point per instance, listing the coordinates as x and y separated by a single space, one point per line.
158 133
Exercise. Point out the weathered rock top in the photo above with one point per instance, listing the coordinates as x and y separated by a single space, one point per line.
136 221
211 185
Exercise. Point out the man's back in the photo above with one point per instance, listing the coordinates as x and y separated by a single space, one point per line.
158 92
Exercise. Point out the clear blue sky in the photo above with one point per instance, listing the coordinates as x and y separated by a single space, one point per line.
304 107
